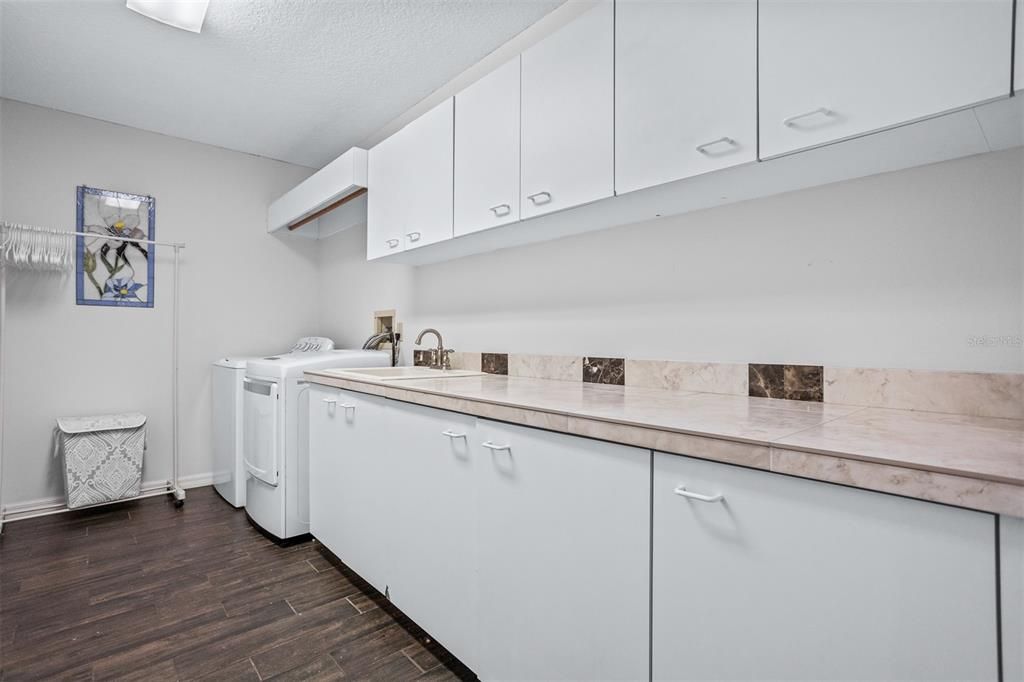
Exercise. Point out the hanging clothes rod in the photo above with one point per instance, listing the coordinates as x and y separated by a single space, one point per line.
94 235
173 486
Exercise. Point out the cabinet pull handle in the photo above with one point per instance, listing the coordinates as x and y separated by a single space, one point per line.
392 243
346 406
703 148
683 492
413 236
452 434
536 198
331 401
501 210
793 120
495 447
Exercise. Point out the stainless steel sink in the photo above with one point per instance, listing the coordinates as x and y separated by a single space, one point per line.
400 373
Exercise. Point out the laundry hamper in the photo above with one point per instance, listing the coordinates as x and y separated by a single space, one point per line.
102 457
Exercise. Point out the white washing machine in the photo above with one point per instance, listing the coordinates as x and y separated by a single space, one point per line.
275 442
228 382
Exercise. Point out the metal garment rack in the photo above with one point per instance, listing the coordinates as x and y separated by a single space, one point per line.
170 487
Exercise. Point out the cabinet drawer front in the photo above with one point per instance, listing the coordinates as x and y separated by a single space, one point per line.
815 581
833 69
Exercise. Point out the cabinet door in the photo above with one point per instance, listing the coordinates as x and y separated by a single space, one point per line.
1011 556
433 561
792 579
324 460
427 152
385 208
833 69
361 527
563 556
568 115
411 179
487 151
685 89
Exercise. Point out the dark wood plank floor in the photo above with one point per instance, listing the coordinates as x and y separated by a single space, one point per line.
142 590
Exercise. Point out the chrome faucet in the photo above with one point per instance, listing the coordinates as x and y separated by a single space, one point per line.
440 357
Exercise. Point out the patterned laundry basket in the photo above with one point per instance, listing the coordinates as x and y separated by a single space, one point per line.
102 457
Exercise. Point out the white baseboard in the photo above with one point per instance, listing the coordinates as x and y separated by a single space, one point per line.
196 480
53 505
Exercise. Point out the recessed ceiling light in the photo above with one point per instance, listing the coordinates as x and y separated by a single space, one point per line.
184 14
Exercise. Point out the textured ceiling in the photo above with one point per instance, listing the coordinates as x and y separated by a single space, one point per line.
296 80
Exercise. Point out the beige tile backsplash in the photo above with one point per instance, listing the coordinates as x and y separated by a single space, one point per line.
708 377
976 394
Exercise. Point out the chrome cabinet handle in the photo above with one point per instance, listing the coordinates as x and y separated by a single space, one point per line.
331 401
683 492
793 120
495 447
392 243
536 198
413 236
346 406
703 148
452 434
501 210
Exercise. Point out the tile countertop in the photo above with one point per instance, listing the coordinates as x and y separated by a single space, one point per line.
973 462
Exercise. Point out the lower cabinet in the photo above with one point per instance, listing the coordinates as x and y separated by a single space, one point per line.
431 486
563 541
784 578
351 508
536 555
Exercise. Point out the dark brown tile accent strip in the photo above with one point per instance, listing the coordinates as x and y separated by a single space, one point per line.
792 382
494 363
604 371
804 382
766 381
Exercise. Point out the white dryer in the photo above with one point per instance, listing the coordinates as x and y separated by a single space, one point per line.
228 379
275 442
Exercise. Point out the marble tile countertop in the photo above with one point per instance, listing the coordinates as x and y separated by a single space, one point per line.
973 462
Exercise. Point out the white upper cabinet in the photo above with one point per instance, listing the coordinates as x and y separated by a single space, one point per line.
568 115
833 69
685 89
384 209
487 151
411 177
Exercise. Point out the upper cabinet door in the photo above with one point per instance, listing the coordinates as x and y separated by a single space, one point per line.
411 178
429 157
384 207
568 115
833 69
487 151
685 89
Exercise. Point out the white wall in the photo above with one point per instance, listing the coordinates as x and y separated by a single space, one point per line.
243 291
895 270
